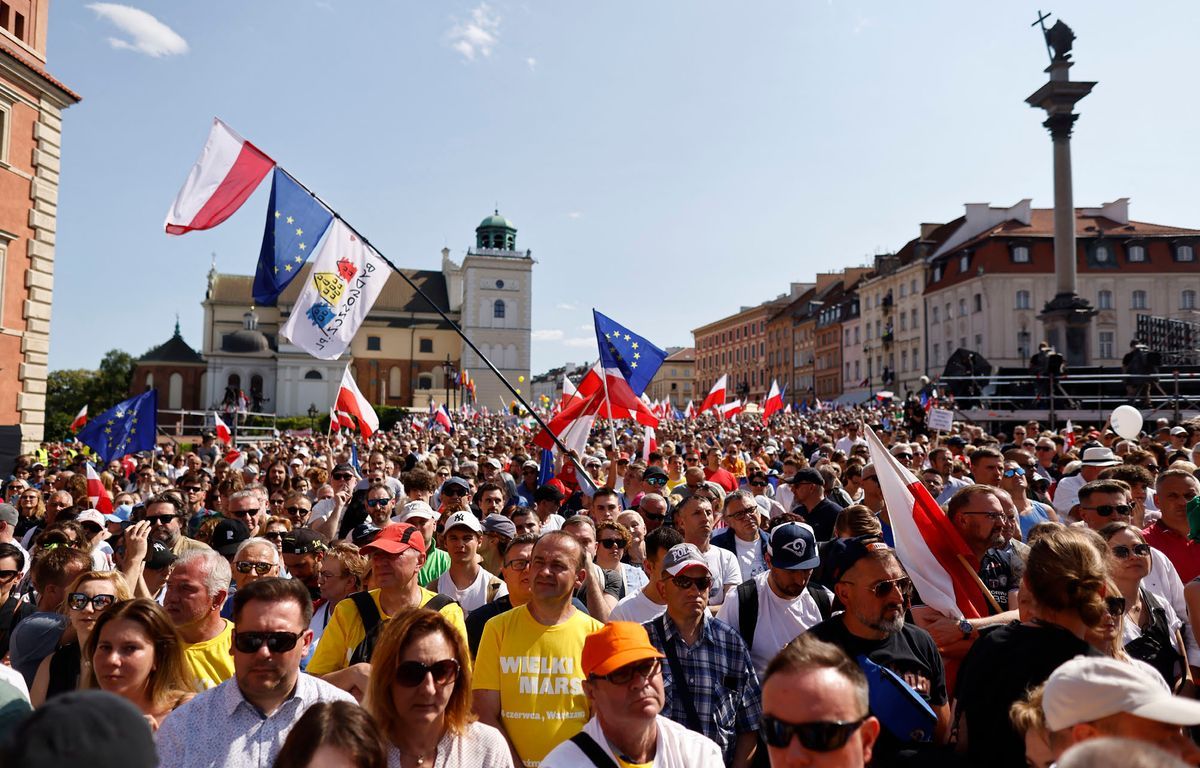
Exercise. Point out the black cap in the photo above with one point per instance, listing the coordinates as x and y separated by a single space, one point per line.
228 535
344 467
842 554
652 472
159 556
547 493
302 541
364 533
807 475
957 441
93 728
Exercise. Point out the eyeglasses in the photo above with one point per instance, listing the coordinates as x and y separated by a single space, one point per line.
378 502
645 669
245 566
993 516
517 565
740 514
246 512
159 519
1045 448
276 642
410 674
1115 605
454 492
817 737
610 543
8 575
342 476
1016 472
298 511
882 589
702 583
77 601
1122 552
1107 510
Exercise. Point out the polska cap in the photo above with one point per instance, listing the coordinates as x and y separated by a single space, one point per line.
683 556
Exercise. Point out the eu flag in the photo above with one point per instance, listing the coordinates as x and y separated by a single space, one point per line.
620 348
127 427
295 222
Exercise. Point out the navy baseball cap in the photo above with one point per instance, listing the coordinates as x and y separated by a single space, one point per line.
846 552
793 547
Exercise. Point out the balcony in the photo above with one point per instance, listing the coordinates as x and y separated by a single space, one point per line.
887 302
888 337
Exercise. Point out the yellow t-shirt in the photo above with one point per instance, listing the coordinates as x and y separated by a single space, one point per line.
623 763
211 661
536 670
346 631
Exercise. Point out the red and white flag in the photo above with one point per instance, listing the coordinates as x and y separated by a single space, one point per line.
333 421
716 395
927 543
730 409
97 493
228 171
442 418
649 443
1069 436
616 399
222 430
235 459
351 401
690 411
774 402
569 390
80 419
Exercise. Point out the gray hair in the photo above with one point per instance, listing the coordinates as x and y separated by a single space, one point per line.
1113 752
739 494
245 493
261 542
580 520
217 573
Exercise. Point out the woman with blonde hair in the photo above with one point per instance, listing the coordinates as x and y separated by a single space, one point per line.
420 694
137 653
89 594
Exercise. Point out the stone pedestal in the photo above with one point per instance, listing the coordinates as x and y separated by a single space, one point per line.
1067 322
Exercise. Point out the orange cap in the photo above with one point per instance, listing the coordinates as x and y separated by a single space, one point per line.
616 644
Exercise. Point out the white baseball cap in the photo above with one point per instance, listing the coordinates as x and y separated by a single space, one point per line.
465 519
417 509
1086 689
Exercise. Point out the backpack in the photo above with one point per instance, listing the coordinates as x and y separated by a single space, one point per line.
747 597
373 621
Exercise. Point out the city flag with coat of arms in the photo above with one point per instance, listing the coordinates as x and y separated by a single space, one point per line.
346 278
127 427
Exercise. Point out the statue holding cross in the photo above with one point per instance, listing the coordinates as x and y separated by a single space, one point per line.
1059 38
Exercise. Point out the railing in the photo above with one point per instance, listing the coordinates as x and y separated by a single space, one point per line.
246 426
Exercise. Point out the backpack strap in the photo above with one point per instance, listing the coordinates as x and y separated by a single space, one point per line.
747 597
822 598
493 588
588 746
437 602
678 679
371 619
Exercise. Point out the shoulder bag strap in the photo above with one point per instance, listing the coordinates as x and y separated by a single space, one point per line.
678 679
747 597
588 746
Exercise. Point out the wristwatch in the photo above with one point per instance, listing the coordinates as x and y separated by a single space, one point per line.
966 628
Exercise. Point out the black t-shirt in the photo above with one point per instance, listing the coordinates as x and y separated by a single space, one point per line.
997 573
821 518
1000 667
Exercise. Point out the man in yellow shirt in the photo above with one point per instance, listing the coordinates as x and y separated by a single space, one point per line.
196 591
528 681
343 654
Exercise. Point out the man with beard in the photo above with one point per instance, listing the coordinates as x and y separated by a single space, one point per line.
871 584
245 720
165 513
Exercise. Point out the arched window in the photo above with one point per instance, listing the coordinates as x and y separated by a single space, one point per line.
313 375
149 381
175 391
425 381
394 381
498 309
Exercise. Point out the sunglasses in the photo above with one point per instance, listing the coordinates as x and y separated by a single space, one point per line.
1106 510
273 535
8 575
190 488
245 566
1045 448
77 601
410 674
247 512
656 481
645 669
1018 472
610 543
816 737
702 583
378 502
882 589
1122 552
342 476
298 511
1151 467
1115 605
905 456
276 642
652 516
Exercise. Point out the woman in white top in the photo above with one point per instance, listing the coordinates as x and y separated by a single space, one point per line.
420 694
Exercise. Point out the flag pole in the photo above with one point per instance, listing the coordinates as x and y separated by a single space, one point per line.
612 427
444 316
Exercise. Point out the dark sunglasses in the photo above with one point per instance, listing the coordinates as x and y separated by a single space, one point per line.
247 512
245 566
1017 472
273 535
1106 510
652 516
657 481
1116 606
190 488
817 737
378 502
645 669
905 456
1122 552
298 511
8 575
702 583
610 543
159 519
342 476
1045 448
77 601
276 642
410 674
1151 467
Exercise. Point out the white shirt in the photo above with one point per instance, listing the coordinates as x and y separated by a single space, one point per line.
726 573
677 747
780 621
750 557
552 522
845 444
474 595
636 607
783 495
1066 493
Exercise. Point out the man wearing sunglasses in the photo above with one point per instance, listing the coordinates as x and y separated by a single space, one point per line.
710 677
872 585
624 686
808 490
1095 459
653 509
380 505
647 602
255 559
245 720
815 708
247 506
165 512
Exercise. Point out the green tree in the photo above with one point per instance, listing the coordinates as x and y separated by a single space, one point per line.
68 390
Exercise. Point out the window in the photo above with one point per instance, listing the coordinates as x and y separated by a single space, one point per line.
1185 253
903 290
425 381
904 361
425 346
948 314
978 341
1187 300
1139 300
937 273
903 322
313 375
857 338
913 287
1106 344
1137 253
1023 300
916 360
1104 300
962 307
373 344
5 123
1020 254
935 317
498 309
964 263
978 303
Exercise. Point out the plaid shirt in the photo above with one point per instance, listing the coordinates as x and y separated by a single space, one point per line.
721 678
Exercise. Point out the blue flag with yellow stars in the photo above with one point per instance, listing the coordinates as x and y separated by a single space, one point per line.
620 348
127 427
295 222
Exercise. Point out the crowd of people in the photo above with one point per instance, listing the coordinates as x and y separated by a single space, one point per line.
733 597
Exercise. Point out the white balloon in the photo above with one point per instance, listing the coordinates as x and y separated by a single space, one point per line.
1126 421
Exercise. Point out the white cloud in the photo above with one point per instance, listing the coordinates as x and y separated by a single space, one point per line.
583 341
547 335
564 305
143 33
478 36
575 215
531 63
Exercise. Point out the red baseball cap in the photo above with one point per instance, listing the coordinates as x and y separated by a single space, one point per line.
396 538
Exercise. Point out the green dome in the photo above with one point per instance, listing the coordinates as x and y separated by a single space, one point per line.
496 221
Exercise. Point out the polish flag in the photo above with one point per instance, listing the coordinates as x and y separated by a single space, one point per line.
569 390
334 424
730 409
649 443
442 418
350 400
80 419
690 411
621 403
774 402
927 543
716 395
345 421
1069 437
97 494
788 408
222 430
235 459
228 170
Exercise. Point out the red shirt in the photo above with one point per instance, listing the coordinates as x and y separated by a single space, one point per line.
723 478
1183 553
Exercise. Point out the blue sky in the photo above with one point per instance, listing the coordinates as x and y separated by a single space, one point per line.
667 161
